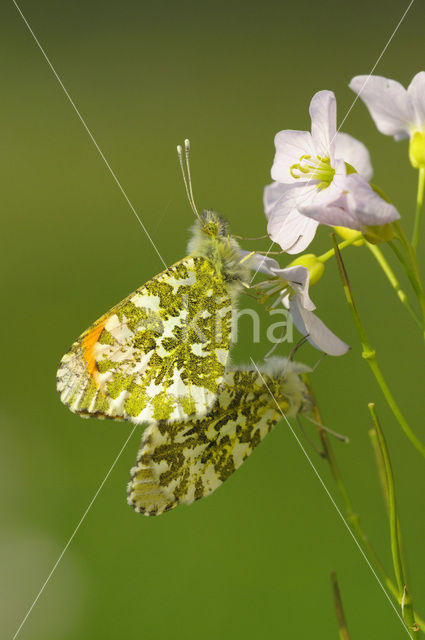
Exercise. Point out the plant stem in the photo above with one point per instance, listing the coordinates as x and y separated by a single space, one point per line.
342 625
419 203
346 243
369 354
413 268
383 481
382 261
352 517
403 596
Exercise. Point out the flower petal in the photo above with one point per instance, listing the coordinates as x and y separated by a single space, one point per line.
308 324
323 122
356 207
290 146
286 226
416 91
388 103
272 193
299 279
293 233
355 153
368 207
262 264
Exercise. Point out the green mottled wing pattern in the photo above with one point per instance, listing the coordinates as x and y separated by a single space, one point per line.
185 461
160 354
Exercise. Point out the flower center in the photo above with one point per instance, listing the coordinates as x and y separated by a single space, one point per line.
271 287
317 168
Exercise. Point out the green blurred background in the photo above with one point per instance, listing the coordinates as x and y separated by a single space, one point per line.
253 560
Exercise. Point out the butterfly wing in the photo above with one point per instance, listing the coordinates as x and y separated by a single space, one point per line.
186 461
160 354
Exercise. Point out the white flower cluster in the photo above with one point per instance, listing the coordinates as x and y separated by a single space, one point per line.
323 177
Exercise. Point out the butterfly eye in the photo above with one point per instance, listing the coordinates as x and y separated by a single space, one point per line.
211 229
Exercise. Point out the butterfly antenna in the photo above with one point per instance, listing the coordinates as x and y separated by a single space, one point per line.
187 154
186 175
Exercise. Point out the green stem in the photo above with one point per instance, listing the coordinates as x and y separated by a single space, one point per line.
346 243
403 596
342 624
352 517
369 354
383 481
381 260
413 268
419 203
398 254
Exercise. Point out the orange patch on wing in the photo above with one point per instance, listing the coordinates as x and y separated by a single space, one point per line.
88 345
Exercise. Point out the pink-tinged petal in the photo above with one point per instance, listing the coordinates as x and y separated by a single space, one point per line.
388 103
416 92
368 207
333 191
356 207
293 233
323 122
299 279
340 169
259 263
306 235
355 153
286 226
272 193
290 146
336 214
308 324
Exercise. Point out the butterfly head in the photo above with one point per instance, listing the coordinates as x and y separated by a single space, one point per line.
212 240
213 225
210 235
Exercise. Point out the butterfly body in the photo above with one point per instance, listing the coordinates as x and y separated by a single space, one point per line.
160 354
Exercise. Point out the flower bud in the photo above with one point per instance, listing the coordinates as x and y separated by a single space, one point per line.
417 150
310 262
347 234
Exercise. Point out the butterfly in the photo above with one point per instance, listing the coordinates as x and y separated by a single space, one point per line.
185 461
161 353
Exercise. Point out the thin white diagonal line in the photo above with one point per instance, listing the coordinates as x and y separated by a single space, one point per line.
376 64
73 534
92 138
355 99
260 264
328 493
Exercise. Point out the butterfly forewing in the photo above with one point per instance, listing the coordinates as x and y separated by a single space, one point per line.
160 354
185 461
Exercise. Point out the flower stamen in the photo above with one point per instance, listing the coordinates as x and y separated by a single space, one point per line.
319 169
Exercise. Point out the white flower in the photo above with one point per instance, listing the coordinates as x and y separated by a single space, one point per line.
353 205
397 111
310 170
295 297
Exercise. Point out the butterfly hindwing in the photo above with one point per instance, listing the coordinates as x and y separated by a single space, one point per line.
160 354
185 461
